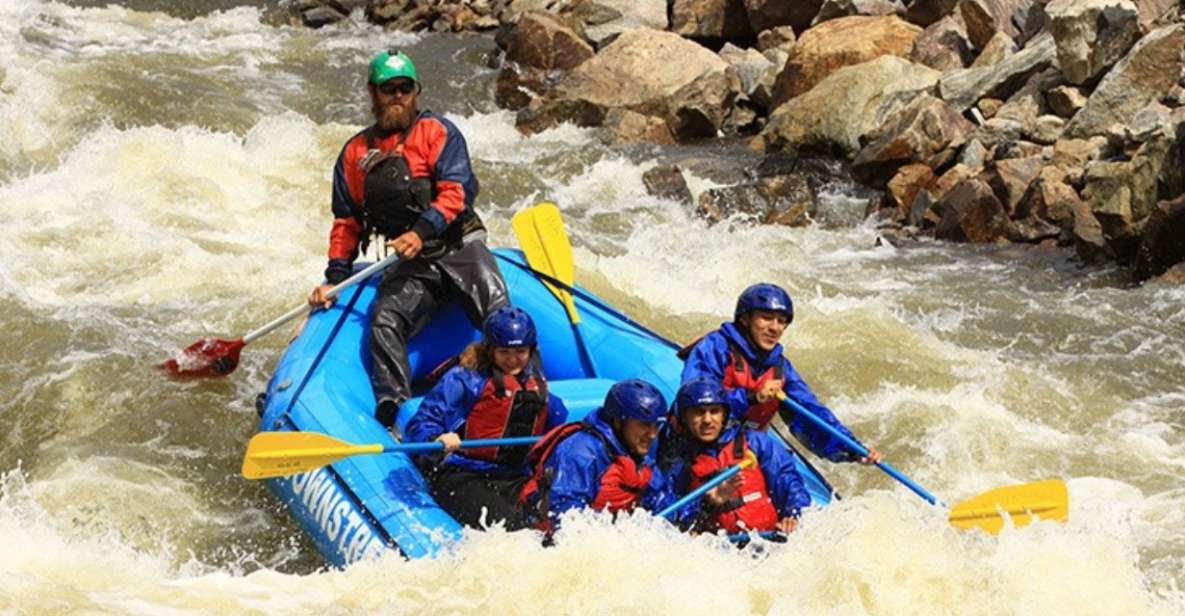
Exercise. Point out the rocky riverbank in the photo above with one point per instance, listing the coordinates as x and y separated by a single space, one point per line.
1055 122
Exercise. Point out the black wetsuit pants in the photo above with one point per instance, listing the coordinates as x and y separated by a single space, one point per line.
477 499
408 296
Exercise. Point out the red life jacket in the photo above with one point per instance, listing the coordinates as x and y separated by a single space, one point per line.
738 376
622 484
504 409
752 509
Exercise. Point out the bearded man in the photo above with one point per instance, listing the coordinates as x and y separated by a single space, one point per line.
408 179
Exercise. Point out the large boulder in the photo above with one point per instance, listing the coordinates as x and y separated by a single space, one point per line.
943 45
539 50
766 14
1010 179
919 132
984 18
711 19
751 66
841 42
1091 35
963 88
1163 244
845 106
541 41
692 96
1122 194
1149 70
972 213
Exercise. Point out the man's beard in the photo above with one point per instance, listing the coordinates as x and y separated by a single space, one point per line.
392 118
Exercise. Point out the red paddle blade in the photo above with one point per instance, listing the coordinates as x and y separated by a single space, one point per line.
208 357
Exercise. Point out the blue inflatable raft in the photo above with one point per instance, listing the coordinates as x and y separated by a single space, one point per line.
364 505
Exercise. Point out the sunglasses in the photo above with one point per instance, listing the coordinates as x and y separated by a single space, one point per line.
390 88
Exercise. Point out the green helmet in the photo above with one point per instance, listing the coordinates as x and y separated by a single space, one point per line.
391 64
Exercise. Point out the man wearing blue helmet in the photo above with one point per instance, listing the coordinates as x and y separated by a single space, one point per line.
496 390
768 495
601 462
746 357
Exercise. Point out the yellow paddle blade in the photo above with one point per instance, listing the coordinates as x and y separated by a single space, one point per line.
1047 500
540 231
276 454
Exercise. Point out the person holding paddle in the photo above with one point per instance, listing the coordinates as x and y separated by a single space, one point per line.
603 462
408 178
745 356
496 390
767 494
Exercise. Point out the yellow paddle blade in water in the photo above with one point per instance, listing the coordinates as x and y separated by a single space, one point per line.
540 231
276 454
1047 500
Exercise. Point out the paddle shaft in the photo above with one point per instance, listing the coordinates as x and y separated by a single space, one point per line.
700 491
338 288
470 444
858 449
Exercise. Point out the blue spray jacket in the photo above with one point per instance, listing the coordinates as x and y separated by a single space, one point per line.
447 406
710 357
672 477
580 466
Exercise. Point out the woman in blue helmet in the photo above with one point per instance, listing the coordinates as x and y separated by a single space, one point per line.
769 495
497 390
601 463
745 356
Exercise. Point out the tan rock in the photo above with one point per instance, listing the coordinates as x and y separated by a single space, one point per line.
832 45
1149 70
998 48
845 106
943 45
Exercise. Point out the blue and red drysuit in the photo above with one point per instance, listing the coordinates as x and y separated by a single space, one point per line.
727 356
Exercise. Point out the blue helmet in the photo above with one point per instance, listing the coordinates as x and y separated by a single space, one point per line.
635 399
764 296
509 326
700 391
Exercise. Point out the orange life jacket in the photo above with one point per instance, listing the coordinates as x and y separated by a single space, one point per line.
738 376
751 509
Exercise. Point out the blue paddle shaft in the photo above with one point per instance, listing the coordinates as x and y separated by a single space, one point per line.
481 442
700 491
860 450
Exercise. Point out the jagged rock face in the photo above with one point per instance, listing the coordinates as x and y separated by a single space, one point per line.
1150 69
1163 244
847 105
971 213
781 199
943 46
634 73
922 131
841 42
1091 35
963 88
984 18
711 19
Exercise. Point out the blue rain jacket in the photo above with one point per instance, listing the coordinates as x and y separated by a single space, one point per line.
710 357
